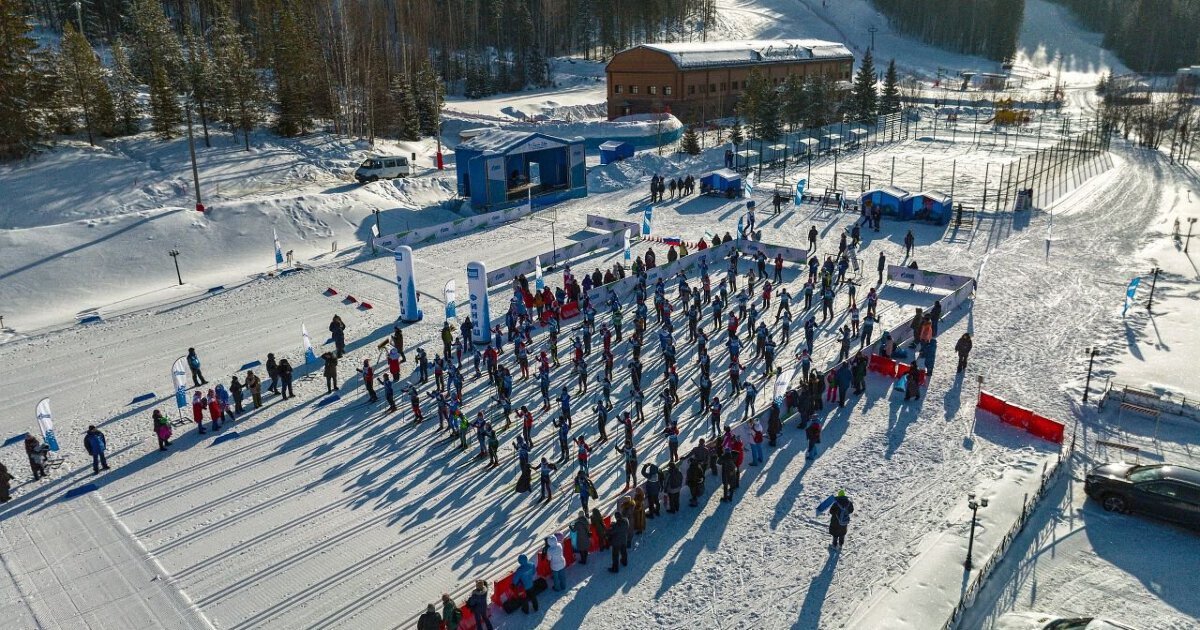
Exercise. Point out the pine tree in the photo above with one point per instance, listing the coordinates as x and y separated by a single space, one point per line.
690 144
760 104
863 98
199 76
408 124
124 88
18 82
293 73
165 113
890 102
152 42
238 89
794 102
85 87
735 133
430 94
818 96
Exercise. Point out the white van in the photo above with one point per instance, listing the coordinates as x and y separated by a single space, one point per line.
383 167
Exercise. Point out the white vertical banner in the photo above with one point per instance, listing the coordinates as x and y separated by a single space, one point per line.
45 422
450 292
628 254
750 184
309 355
477 288
538 282
406 283
278 249
179 380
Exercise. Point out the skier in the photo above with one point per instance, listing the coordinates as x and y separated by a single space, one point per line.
95 444
389 392
193 362
368 378
544 479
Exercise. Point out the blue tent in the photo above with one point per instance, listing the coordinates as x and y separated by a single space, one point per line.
892 200
614 151
501 168
931 205
721 182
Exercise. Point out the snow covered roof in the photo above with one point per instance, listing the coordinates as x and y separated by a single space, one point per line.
891 191
936 195
504 140
746 52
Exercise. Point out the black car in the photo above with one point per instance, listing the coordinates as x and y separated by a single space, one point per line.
1164 491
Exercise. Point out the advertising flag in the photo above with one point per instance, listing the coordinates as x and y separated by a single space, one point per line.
800 190
451 296
538 282
278 249
741 230
750 184
647 217
628 254
46 423
309 355
179 379
1130 294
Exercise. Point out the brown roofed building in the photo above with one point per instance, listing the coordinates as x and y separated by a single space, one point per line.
701 80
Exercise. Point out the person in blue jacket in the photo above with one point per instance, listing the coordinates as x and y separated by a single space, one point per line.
524 577
842 377
95 444
193 362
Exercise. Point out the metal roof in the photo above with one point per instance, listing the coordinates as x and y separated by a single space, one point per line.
749 52
502 140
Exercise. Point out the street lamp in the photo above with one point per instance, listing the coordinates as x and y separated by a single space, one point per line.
971 503
1153 282
1092 352
872 31
174 254
1191 223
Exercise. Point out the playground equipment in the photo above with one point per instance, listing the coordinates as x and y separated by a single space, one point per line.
1006 115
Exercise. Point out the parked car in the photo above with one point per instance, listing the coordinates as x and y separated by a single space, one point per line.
1042 621
1162 490
383 167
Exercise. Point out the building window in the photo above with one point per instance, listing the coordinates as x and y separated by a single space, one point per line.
652 89
667 90
691 90
733 86
633 89
617 89
712 87
722 87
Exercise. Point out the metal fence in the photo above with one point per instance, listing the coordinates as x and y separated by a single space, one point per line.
1031 503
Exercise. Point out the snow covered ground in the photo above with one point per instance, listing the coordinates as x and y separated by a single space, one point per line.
339 515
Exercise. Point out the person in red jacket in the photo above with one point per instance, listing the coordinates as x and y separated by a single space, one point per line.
813 433
214 411
198 405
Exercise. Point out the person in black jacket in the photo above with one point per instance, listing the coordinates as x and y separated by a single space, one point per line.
839 518
653 486
729 475
330 371
583 536
272 373
963 348
337 330
618 538
674 487
285 379
478 605
430 619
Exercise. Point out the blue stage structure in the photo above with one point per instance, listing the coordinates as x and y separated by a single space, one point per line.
494 169
930 205
615 151
892 200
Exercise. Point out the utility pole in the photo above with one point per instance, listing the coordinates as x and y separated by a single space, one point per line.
174 254
1153 281
1092 352
192 152
872 31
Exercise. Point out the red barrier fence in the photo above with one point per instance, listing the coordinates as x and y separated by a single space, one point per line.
893 369
1035 424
